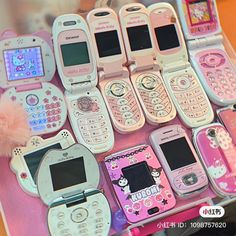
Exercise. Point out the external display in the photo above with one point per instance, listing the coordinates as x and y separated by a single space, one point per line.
199 12
23 63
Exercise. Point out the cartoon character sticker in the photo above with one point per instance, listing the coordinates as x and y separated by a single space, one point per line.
122 182
199 12
217 170
156 174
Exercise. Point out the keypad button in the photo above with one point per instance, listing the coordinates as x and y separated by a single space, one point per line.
127 115
61 215
82 225
156 101
98 212
124 108
79 215
162 113
122 102
95 204
158 107
130 122
60 224
32 100
99 226
183 82
153 94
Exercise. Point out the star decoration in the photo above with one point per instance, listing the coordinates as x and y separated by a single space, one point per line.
164 202
136 213
113 176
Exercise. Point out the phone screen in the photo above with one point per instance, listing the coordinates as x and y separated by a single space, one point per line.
74 54
108 43
139 37
139 176
178 153
199 11
167 37
68 173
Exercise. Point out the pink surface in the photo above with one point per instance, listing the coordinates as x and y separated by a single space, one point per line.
27 215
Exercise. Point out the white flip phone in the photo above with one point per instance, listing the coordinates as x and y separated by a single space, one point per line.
145 73
77 68
27 66
182 82
67 182
114 82
202 30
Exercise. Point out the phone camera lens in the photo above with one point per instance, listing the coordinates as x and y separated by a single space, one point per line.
211 132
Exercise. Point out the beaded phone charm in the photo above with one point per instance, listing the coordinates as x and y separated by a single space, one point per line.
14 128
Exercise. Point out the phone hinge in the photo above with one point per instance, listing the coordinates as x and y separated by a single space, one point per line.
119 72
75 88
204 42
71 198
143 63
176 66
27 87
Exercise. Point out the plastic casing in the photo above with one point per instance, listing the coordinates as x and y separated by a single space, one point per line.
205 40
111 69
142 63
174 63
57 200
37 87
168 134
114 164
80 81
19 166
213 157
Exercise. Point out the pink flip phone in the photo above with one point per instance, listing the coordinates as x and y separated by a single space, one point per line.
217 153
179 159
139 182
227 117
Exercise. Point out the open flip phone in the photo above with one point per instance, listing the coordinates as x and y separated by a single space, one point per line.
145 72
182 82
77 69
67 182
202 30
27 66
116 88
217 152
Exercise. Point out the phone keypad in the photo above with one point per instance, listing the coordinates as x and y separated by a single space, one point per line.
219 73
154 95
123 103
93 127
46 108
183 182
87 219
189 96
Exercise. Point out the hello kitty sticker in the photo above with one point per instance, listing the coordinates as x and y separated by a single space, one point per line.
201 17
199 12
218 155
140 183
23 63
